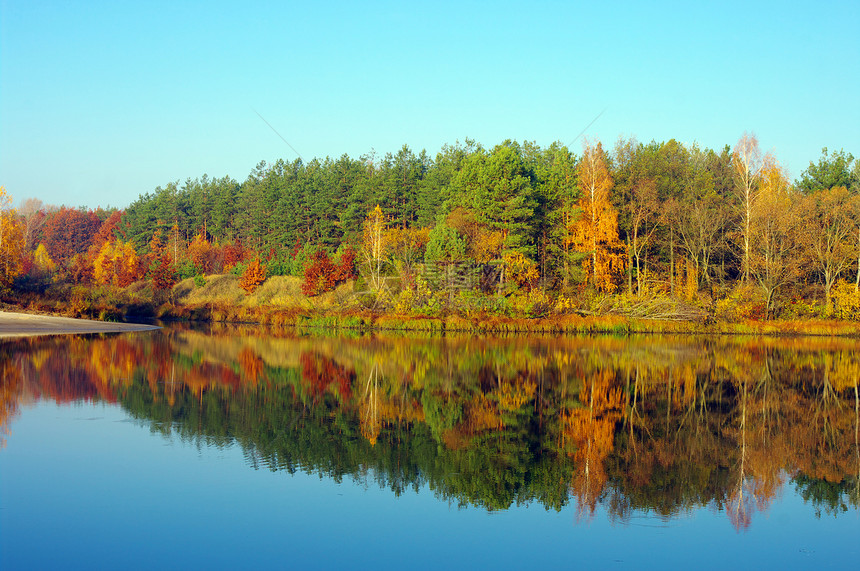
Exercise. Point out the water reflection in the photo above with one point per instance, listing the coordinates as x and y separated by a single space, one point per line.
659 425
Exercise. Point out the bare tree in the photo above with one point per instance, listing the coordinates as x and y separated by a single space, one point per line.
699 224
33 214
645 217
829 228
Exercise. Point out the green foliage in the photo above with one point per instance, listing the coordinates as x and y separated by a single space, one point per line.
239 268
301 258
499 188
186 270
441 412
445 245
832 170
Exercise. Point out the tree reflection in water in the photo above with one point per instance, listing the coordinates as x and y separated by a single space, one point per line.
641 424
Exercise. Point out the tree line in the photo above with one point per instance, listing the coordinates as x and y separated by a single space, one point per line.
641 219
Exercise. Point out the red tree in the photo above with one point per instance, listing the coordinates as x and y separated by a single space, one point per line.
322 275
106 231
164 274
69 232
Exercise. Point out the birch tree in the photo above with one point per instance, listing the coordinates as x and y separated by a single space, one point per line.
748 164
374 247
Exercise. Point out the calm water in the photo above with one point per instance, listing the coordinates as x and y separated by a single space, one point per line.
234 447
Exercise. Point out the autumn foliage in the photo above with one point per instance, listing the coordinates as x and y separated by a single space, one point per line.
253 276
322 275
117 264
11 242
69 232
200 251
596 231
164 273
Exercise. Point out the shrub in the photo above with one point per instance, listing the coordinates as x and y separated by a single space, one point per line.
846 300
253 276
744 302
322 275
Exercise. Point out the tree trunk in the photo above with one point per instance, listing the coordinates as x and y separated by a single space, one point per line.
672 261
857 282
629 268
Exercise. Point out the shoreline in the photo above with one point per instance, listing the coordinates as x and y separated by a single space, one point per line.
20 324
27 325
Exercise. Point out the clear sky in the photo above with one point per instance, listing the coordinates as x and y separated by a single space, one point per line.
103 101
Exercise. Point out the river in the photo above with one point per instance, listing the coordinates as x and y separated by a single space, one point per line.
228 446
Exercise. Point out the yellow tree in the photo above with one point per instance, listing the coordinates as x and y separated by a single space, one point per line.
590 428
116 263
775 237
42 261
11 241
596 230
199 250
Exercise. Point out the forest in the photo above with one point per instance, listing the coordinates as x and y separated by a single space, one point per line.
653 230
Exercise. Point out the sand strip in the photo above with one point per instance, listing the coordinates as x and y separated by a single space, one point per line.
22 325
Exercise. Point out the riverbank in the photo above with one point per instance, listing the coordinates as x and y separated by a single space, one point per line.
280 303
24 325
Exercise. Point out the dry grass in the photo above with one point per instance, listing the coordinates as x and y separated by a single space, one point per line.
278 291
281 292
219 289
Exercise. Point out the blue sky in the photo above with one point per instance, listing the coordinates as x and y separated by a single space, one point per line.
101 102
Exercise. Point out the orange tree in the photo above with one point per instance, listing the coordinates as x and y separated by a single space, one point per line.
253 276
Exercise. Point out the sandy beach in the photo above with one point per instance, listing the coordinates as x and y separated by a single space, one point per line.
22 325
